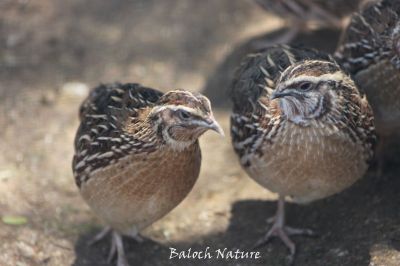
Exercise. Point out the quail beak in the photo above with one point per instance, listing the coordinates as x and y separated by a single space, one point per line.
212 124
276 95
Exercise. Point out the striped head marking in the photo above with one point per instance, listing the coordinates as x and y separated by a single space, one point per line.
181 117
308 90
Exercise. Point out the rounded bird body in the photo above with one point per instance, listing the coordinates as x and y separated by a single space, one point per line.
299 126
140 189
370 52
137 154
302 117
308 163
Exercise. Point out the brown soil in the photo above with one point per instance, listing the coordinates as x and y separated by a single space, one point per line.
51 50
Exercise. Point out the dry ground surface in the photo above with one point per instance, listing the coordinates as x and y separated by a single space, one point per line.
52 50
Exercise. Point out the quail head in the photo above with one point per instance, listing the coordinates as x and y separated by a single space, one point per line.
370 52
299 127
137 155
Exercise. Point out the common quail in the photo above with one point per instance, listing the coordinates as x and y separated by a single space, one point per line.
302 15
299 127
370 52
137 155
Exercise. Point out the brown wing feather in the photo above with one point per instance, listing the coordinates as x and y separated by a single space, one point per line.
101 138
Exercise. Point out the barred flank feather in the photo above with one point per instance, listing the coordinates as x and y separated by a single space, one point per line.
101 139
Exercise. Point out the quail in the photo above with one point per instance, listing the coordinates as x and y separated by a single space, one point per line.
370 51
137 155
305 14
300 128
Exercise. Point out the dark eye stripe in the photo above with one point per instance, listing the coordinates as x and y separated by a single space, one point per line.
306 86
183 114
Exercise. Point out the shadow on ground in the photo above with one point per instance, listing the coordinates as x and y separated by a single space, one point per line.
352 228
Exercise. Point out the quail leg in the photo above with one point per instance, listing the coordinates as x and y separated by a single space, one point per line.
98 237
117 246
134 234
279 229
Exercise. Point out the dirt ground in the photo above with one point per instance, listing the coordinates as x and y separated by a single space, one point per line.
52 51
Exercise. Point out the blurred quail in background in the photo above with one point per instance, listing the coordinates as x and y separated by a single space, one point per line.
137 155
303 15
370 52
300 128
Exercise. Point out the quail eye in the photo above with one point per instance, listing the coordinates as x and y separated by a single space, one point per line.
183 114
306 86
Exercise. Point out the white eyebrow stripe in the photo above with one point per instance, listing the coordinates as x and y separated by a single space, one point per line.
175 108
338 75
293 68
301 64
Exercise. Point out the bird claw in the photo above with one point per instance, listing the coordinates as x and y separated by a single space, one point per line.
283 232
291 230
277 231
299 231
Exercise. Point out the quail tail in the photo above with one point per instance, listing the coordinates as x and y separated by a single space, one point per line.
279 229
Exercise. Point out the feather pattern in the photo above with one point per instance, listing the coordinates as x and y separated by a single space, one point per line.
326 13
102 137
370 51
329 110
